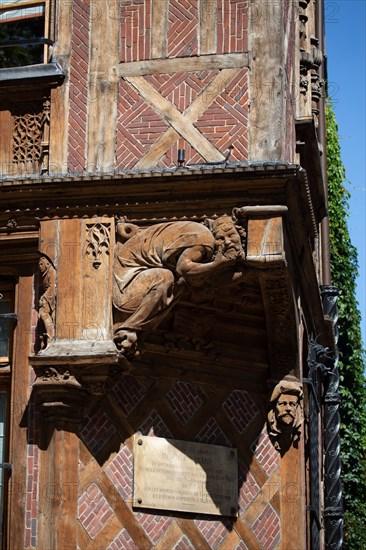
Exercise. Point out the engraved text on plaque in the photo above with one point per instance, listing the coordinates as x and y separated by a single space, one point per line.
185 476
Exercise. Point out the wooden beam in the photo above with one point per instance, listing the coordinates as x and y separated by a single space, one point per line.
159 28
60 96
176 119
103 85
208 35
191 114
183 64
19 399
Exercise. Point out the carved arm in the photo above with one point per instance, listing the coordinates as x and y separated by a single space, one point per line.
191 262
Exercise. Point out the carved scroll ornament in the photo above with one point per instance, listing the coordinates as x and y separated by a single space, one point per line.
154 265
285 416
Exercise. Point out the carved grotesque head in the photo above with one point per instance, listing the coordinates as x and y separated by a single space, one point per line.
228 240
286 413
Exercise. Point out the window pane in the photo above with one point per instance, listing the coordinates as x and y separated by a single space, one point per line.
24 24
5 307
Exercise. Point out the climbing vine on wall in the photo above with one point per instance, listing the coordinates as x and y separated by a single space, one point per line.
344 270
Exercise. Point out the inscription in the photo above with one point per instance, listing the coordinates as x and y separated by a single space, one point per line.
185 476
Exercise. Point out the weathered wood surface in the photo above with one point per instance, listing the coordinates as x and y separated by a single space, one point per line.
208 35
184 123
159 35
268 82
6 125
183 64
178 121
20 393
60 96
292 499
103 85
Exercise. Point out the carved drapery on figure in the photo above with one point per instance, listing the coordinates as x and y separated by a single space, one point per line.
47 300
285 416
153 266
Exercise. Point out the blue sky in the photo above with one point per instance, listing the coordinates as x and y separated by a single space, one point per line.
345 23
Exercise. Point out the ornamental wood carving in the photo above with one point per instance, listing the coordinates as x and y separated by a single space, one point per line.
285 417
202 295
153 266
30 136
47 300
97 242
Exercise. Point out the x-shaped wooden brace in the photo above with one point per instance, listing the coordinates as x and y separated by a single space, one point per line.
182 123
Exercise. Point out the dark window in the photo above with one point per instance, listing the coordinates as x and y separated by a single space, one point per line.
22 32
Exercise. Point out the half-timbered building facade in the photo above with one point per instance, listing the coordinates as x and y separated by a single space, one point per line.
164 277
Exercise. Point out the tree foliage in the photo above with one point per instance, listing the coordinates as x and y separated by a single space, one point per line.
344 270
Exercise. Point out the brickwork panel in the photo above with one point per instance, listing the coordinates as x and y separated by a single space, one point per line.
79 64
184 544
214 531
123 541
138 126
223 123
232 26
267 528
97 429
240 409
127 393
32 482
212 433
181 89
135 30
183 28
155 425
266 454
154 526
248 486
120 472
184 401
93 510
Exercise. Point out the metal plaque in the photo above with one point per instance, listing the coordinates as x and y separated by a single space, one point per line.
184 476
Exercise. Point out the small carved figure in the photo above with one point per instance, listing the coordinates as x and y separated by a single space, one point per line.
47 300
285 416
152 266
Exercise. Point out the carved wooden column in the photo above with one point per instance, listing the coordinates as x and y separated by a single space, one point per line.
79 360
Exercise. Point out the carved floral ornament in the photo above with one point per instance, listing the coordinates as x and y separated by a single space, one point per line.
97 242
30 122
285 416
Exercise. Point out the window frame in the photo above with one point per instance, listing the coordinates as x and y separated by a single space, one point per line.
47 32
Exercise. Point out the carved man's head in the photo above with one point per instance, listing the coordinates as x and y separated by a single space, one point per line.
227 238
286 408
43 264
286 413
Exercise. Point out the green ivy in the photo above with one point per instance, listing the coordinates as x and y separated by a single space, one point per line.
344 270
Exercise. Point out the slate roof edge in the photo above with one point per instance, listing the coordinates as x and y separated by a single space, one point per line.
193 169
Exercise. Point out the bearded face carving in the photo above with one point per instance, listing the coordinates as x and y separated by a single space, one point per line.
285 416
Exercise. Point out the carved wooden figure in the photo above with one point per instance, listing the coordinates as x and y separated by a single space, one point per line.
285 416
47 300
152 267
